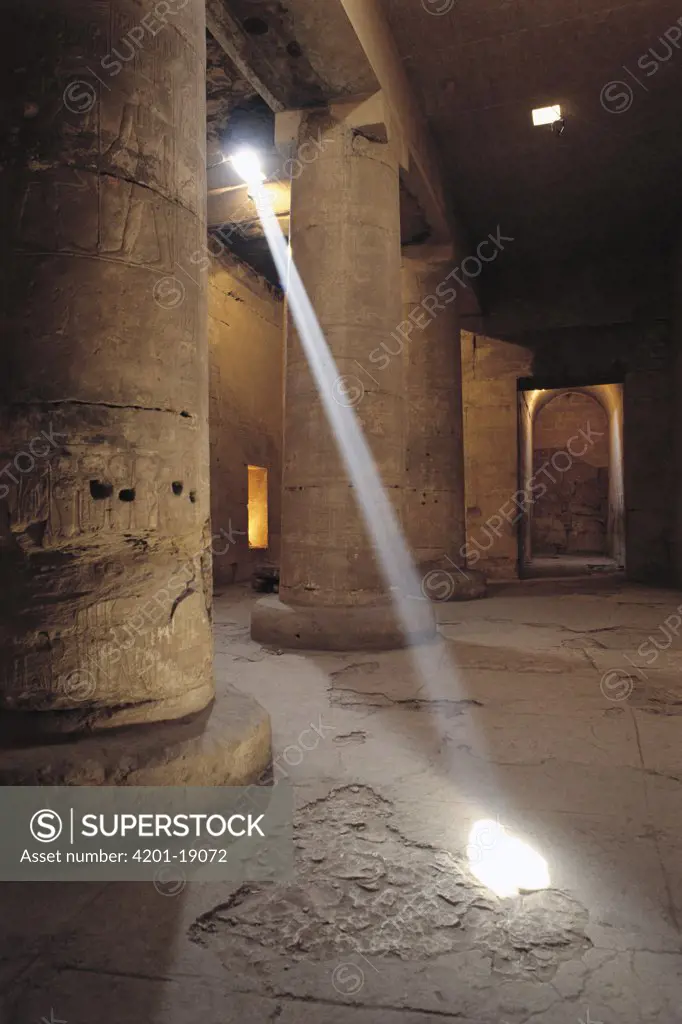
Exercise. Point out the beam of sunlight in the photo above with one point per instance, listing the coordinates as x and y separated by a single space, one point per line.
378 513
435 671
503 863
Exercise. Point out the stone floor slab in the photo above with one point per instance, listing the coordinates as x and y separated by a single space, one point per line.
519 732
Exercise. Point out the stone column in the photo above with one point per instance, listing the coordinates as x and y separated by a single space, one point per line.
345 241
434 504
104 515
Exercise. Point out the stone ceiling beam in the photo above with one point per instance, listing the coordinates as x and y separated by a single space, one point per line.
344 53
228 34
424 176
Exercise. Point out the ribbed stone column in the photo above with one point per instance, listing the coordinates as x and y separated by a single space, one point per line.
345 239
105 604
433 504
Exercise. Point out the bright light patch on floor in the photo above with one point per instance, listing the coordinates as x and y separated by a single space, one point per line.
547 115
258 507
503 863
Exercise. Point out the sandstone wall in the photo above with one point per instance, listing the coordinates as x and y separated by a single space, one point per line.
571 517
245 332
638 354
490 371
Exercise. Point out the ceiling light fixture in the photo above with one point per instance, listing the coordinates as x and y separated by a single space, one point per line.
547 115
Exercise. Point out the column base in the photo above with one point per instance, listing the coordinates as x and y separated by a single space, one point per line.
443 580
26 728
327 628
228 744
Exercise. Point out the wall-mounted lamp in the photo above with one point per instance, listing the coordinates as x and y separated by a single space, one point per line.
551 116
546 115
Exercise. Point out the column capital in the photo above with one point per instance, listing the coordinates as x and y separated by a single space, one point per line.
367 115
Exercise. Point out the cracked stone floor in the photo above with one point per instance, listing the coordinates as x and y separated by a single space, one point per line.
527 713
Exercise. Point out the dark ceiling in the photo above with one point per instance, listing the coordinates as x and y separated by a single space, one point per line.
611 181
604 194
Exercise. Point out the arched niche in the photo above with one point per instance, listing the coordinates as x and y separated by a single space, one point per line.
610 399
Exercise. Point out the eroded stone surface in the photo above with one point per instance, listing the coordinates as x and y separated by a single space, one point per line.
104 535
562 765
656 699
363 887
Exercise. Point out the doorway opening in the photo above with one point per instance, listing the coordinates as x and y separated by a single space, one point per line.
571 478
258 507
